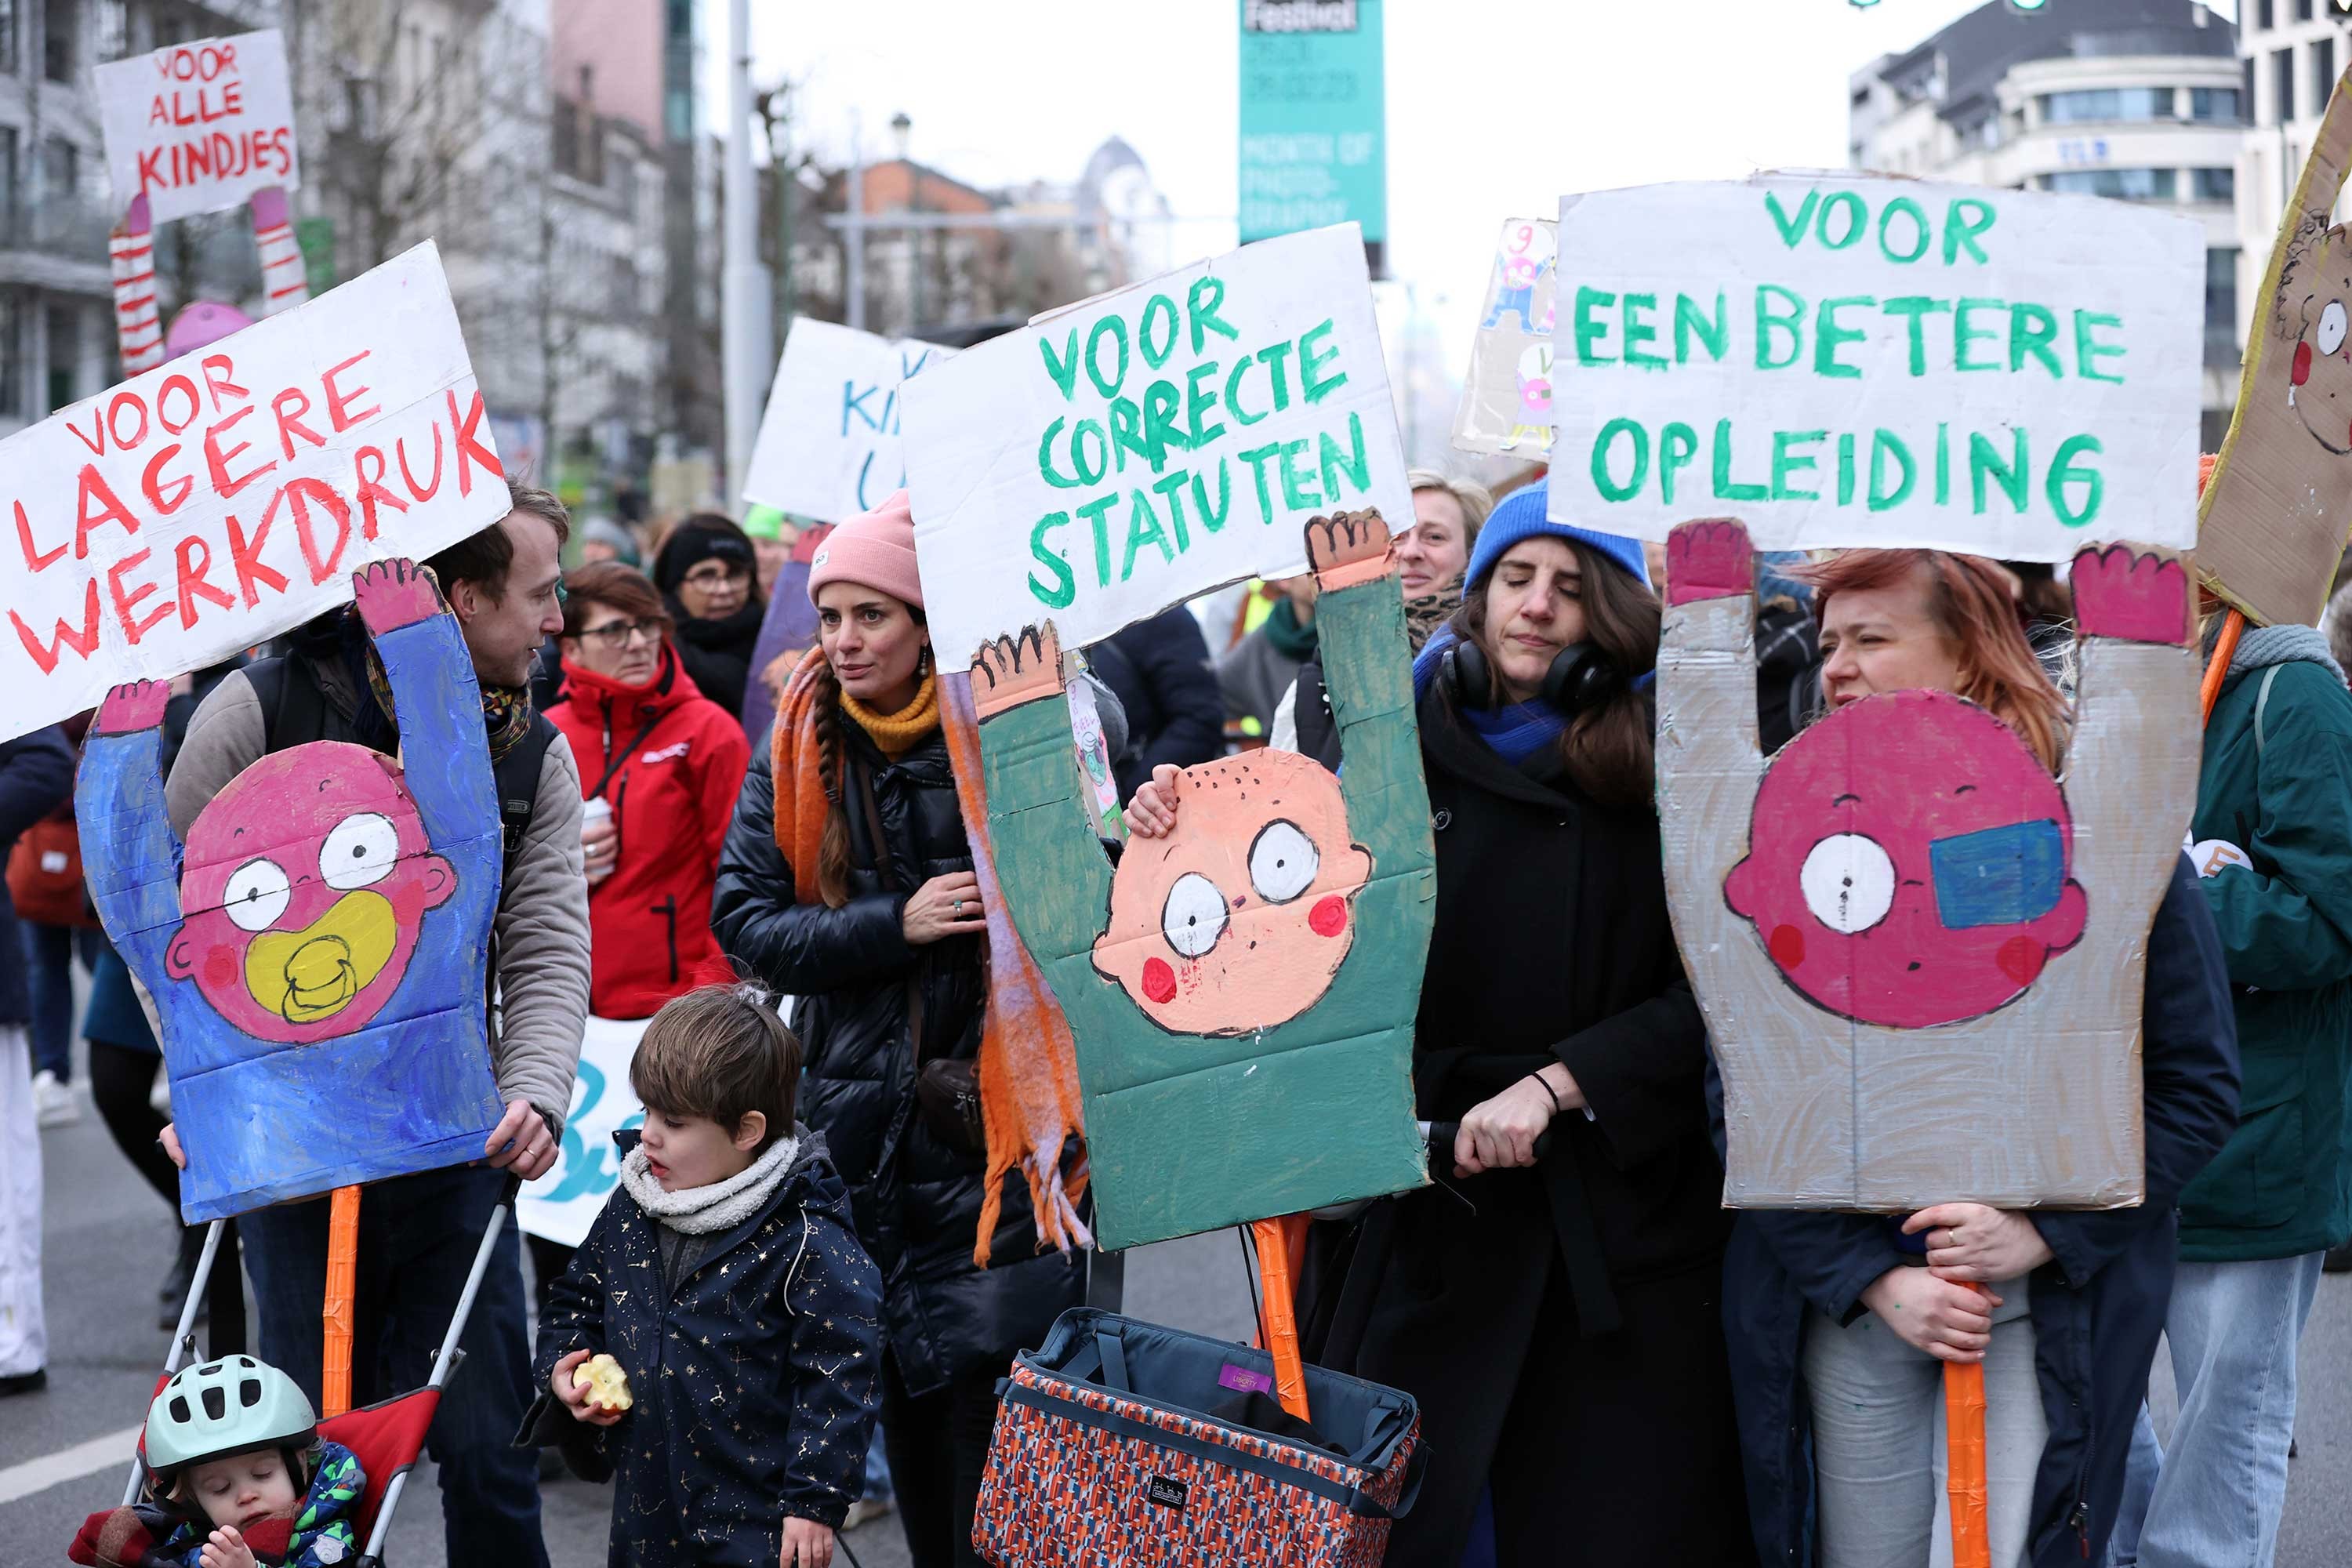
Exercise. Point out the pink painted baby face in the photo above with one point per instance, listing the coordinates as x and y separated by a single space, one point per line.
1908 862
306 885
1238 918
2319 380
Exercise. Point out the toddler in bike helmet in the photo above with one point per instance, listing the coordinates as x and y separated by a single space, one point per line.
235 1450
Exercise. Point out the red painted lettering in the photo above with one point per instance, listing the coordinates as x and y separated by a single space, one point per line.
164 496
291 406
299 495
245 554
373 489
339 402
84 642
400 450
96 439
217 369
217 461
472 453
132 401
151 169
134 627
194 560
186 389
96 503
33 559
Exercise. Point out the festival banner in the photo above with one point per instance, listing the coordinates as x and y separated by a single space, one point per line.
1853 359
199 127
1139 448
829 445
221 498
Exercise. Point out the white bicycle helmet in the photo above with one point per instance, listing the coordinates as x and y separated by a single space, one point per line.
224 1406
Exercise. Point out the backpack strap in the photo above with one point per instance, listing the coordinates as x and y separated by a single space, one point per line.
2262 701
293 708
516 778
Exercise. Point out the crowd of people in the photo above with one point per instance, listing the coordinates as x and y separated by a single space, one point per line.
1611 1367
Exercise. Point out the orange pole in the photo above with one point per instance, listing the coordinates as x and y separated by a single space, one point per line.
342 1267
1964 1452
2217 669
1279 1328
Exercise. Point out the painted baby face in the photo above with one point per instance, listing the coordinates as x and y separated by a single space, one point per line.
1237 919
1909 862
1535 384
2319 386
306 885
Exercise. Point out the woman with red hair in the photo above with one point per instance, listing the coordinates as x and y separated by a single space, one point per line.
1839 1324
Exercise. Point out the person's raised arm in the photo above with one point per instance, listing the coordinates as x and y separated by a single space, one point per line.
435 698
129 856
1368 677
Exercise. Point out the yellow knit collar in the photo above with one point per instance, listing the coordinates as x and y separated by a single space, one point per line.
898 733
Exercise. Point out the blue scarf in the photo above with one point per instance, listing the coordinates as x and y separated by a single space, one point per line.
1513 734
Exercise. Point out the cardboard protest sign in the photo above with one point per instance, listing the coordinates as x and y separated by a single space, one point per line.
1507 397
218 499
2275 514
316 948
830 445
1920 955
1124 455
1240 992
1854 360
199 127
561 1204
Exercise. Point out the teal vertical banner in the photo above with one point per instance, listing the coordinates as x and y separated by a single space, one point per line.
1313 110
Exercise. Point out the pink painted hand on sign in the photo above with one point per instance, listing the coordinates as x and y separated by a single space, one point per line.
132 707
1709 560
394 593
2130 596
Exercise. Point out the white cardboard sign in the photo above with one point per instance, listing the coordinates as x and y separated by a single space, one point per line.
830 445
1844 360
227 496
561 1204
199 127
1135 449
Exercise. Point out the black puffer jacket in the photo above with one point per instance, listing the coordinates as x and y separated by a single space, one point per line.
917 1201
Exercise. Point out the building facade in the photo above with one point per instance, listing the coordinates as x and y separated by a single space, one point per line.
2138 101
2292 52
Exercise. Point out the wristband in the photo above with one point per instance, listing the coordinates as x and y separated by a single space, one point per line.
1543 1084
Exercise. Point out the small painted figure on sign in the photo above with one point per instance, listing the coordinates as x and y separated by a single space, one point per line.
2314 295
1527 258
1535 398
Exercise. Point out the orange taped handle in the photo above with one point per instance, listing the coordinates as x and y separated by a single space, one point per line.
342 1269
1280 1327
2217 669
1964 1443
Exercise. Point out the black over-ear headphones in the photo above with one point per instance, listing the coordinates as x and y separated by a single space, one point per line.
1580 677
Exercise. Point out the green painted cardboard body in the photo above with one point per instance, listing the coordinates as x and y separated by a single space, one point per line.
1192 1132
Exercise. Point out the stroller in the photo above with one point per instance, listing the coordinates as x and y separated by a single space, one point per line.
385 1438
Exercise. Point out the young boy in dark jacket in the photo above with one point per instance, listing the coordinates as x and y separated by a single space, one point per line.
716 1339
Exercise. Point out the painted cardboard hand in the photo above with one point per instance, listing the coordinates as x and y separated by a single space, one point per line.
1017 669
394 593
135 706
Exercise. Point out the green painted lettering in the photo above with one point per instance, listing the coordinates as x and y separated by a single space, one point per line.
1297 478
1714 334
1767 324
1257 458
1857 219
1677 445
2088 351
1792 229
1197 402
2031 330
1098 515
1590 329
1985 463
1916 308
1963 335
1611 491
2066 471
1357 464
1787 464
1829 337
1965 219
1115 329
1312 384
1143 528
1725 489
1884 445
1273 357
1060 594
1903 206
1065 370
1160 308
1201 310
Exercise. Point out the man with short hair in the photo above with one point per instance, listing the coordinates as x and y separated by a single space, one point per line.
418 1234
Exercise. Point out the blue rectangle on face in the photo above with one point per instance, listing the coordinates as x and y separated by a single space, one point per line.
2000 876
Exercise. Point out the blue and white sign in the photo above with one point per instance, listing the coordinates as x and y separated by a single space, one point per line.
829 444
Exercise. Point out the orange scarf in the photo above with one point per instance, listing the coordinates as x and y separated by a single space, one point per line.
800 800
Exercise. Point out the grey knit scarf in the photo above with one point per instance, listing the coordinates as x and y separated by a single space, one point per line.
721 1205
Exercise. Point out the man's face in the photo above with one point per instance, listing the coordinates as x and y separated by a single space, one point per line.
305 888
504 633
1238 919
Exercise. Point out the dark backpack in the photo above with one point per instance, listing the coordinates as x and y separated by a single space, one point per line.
295 712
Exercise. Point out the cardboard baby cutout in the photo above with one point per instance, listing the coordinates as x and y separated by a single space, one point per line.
1242 993
1920 955
1507 397
316 950
2276 513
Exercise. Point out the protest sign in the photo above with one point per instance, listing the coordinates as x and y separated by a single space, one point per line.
218 499
829 444
1124 455
2275 513
1853 360
198 127
1506 396
562 1203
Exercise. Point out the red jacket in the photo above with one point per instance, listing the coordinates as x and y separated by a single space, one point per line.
670 762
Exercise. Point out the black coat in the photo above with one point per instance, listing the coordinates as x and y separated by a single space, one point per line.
1159 671
756 1375
2097 1306
37 774
718 654
1552 944
917 1200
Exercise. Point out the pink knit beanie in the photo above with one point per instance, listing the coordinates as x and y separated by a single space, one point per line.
874 550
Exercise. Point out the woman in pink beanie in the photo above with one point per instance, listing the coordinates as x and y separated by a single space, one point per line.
846 881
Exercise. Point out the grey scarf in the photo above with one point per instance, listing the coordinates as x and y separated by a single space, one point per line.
721 1205
2262 647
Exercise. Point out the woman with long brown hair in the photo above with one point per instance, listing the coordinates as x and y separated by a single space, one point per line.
846 882
1840 1324
1554 1308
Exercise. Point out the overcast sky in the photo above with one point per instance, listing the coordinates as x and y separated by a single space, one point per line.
1495 108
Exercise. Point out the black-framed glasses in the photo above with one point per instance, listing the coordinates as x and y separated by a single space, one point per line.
718 574
619 634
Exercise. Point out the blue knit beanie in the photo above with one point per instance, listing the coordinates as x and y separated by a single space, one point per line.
1520 515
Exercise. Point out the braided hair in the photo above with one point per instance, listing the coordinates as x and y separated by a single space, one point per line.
833 850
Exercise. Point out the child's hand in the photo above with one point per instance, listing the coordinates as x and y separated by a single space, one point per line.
807 1544
225 1548
1152 813
575 1396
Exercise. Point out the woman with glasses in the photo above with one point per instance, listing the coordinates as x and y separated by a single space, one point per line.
706 570
667 763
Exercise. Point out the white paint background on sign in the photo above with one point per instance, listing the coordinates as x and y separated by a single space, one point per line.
127 91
